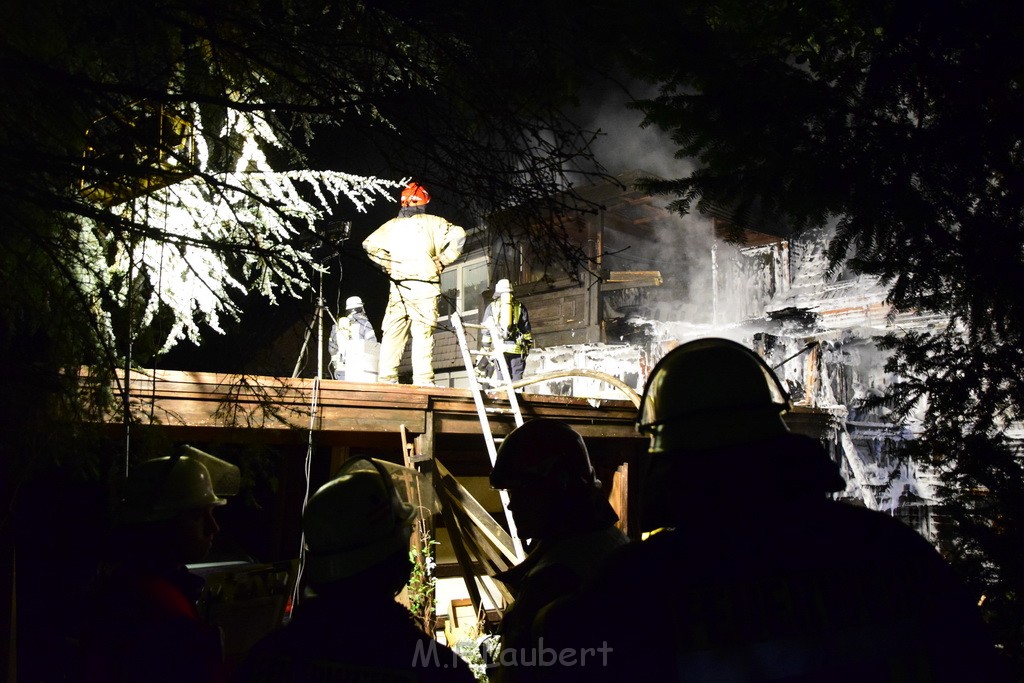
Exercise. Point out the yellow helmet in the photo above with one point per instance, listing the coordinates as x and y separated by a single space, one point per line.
711 393
162 488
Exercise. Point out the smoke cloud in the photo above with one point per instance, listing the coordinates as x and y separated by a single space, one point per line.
623 144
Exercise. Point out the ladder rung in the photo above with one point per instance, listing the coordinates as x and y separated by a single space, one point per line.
485 387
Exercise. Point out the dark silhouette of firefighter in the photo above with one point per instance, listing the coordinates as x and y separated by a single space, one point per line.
752 573
146 625
413 249
558 506
349 626
513 324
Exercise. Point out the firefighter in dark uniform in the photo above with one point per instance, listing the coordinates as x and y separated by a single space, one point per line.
512 321
557 504
146 626
348 626
754 574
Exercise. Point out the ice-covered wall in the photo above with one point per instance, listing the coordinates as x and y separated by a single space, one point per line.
625 362
814 328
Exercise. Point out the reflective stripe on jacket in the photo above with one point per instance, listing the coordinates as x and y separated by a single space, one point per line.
518 335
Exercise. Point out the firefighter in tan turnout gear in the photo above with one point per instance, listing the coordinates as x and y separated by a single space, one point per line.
413 249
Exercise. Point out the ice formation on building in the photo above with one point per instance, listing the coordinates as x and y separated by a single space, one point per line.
815 328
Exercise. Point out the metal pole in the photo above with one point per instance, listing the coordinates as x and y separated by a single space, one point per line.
320 327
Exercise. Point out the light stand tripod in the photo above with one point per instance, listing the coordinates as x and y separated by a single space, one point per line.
333 236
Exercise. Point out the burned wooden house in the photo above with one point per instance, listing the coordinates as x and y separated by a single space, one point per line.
650 279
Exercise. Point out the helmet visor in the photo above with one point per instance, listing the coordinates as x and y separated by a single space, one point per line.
413 488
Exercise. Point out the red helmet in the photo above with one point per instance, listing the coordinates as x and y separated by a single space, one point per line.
415 194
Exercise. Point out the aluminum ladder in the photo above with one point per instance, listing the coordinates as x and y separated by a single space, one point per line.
505 381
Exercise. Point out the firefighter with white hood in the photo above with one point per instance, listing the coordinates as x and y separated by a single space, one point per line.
413 249
353 344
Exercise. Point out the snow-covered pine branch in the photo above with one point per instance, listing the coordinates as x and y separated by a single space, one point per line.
213 236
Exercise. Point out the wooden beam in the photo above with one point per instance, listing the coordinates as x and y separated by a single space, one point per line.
339 454
461 554
193 401
476 512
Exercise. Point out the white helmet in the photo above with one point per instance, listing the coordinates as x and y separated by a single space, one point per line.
502 286
354 521
352 303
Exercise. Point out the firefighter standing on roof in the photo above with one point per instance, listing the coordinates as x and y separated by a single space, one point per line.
413 249
348 337
513 322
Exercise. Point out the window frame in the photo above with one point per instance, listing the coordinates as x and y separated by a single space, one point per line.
460 268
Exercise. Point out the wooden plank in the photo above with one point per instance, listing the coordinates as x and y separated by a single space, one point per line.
607 408
201 400
479 548
339 454
476 512
379 422
470 424
143 391
187 413
455 537
478 542
593 428
424 443
206 383
258 388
